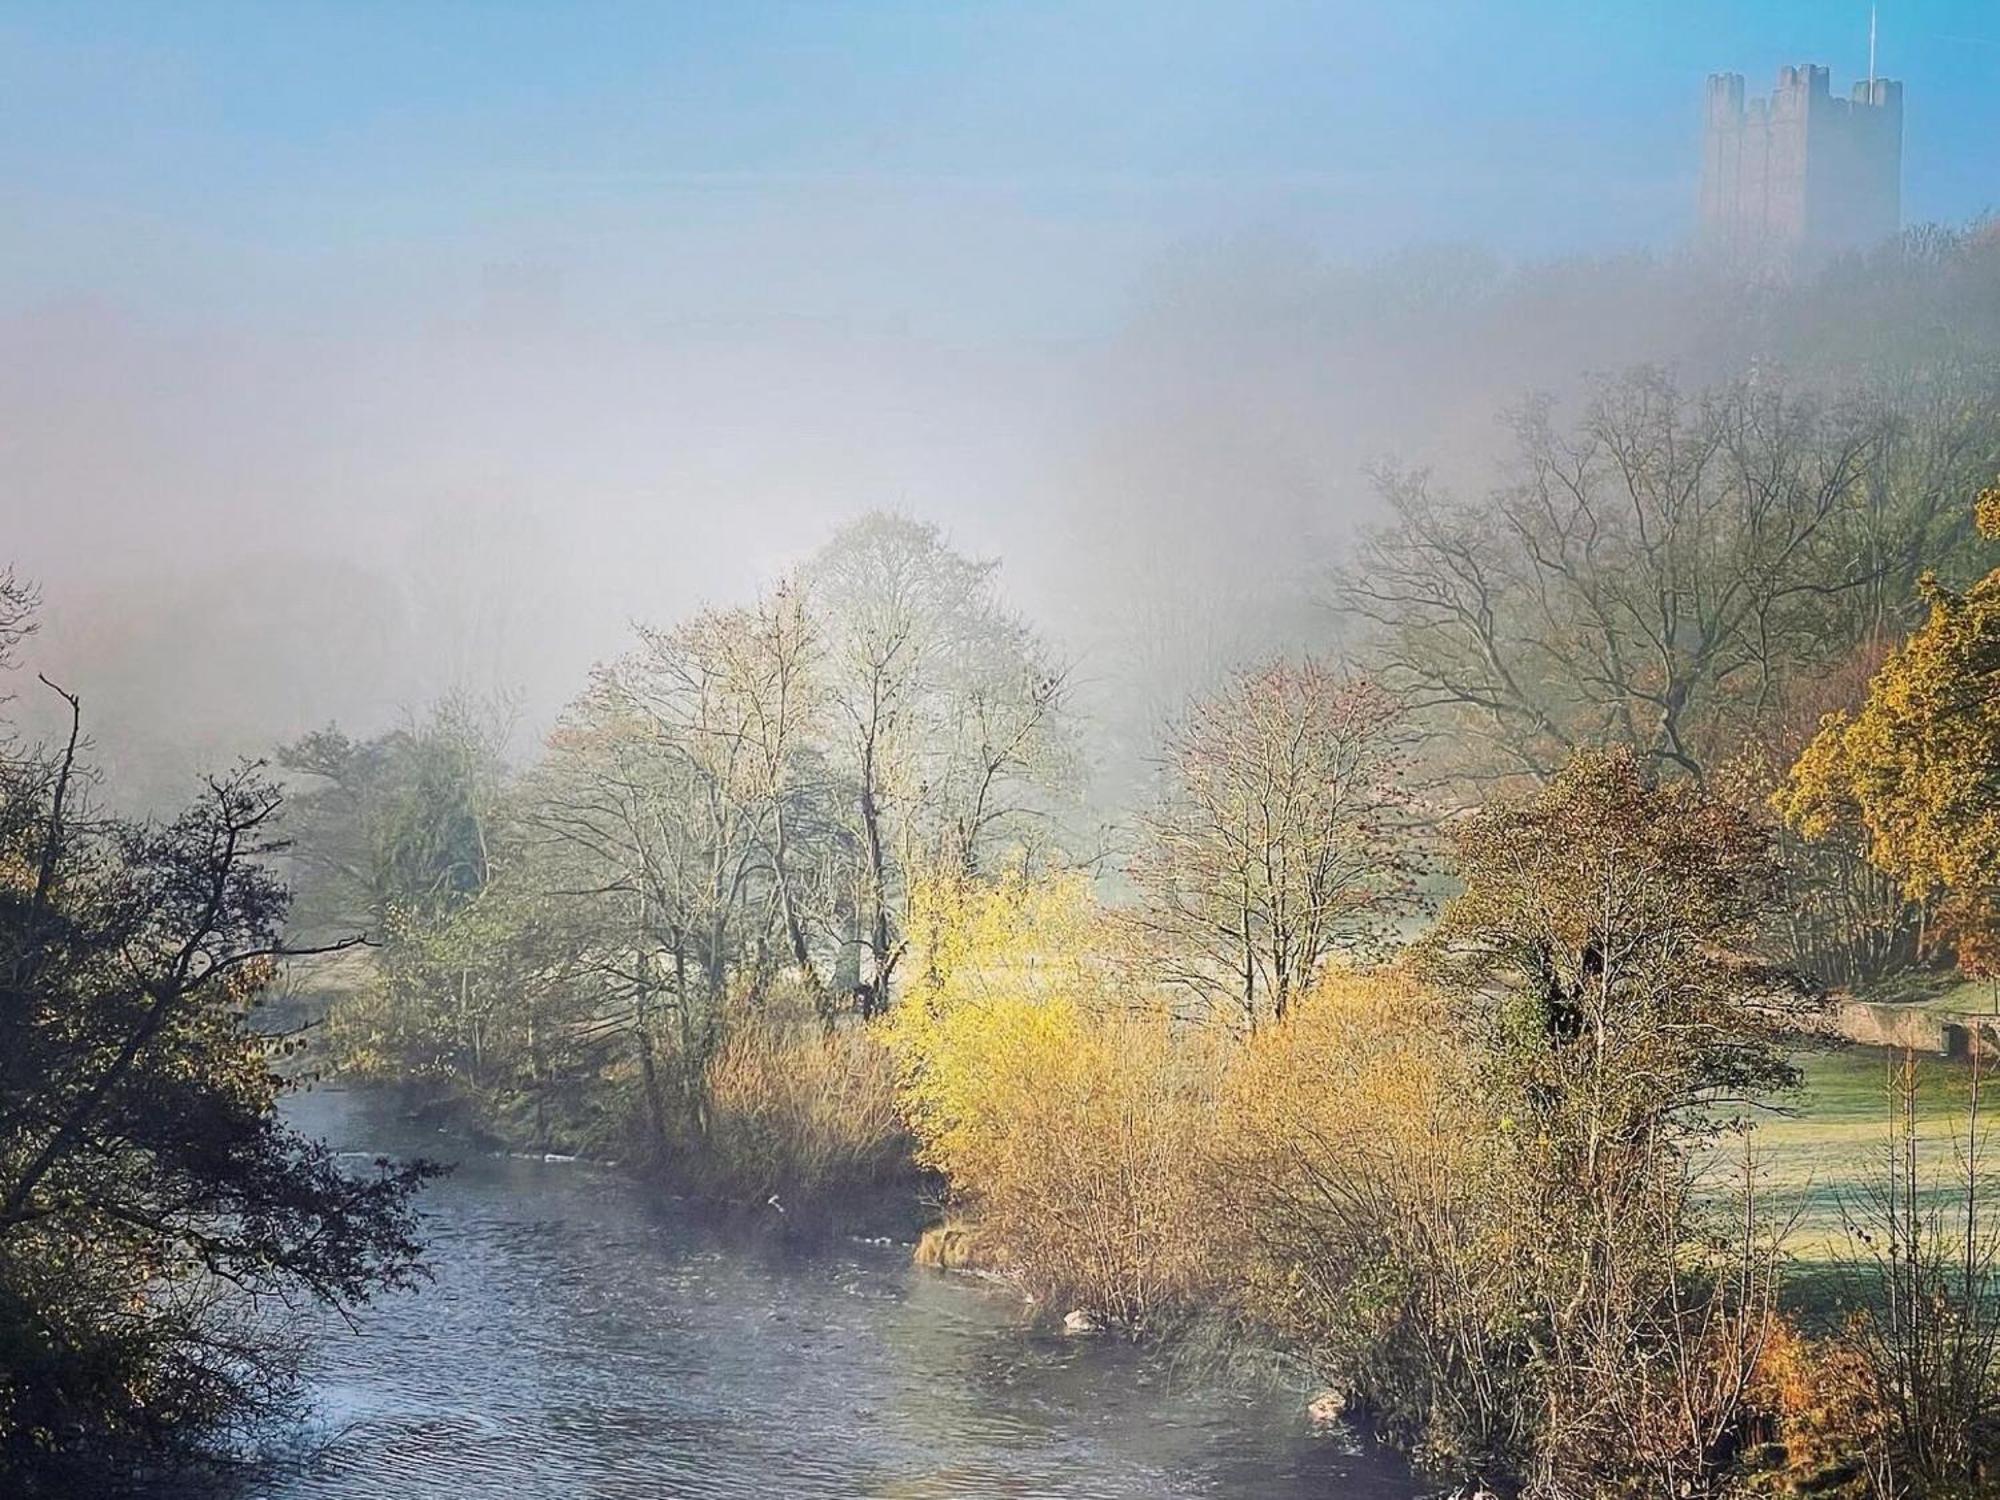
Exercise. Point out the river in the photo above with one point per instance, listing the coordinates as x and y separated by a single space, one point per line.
581 1342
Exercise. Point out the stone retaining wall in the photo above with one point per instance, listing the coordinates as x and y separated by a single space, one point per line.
1913 1027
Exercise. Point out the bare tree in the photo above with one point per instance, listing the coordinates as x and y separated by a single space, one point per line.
648 795
774 658
18 602
1652 578
1287 833
948 713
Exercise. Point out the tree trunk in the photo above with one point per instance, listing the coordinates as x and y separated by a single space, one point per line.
876 998
649 1071
795 932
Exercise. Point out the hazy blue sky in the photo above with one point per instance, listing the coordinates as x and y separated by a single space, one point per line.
954 164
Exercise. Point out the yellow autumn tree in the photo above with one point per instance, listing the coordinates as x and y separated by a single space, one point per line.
1917 767
999 978
1070 1121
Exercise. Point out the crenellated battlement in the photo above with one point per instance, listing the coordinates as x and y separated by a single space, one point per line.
1801 172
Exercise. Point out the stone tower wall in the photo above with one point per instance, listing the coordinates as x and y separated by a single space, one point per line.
1801 173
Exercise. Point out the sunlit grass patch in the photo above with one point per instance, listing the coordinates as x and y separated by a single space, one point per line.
1819 1161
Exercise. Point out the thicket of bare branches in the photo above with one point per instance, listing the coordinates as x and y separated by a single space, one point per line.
1655 573
1287 833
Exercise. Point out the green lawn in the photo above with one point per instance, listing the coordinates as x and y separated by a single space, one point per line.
1819 1162
1968 997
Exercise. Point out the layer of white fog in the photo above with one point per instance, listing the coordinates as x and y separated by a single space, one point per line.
284 445
242 533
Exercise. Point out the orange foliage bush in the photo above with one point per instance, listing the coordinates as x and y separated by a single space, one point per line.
1819 1401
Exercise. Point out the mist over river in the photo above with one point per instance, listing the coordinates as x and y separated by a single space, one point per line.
579 1341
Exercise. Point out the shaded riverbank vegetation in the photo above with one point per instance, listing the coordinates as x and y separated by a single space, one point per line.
157 1222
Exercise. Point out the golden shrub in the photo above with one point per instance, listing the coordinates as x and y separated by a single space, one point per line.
1072 1124
1357 1188
802 1111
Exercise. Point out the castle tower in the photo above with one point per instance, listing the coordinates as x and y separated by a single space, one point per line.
1801 174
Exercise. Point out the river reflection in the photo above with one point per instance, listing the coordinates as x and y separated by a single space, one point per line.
580 1343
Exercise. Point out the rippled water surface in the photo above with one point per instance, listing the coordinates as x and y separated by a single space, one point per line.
578 1342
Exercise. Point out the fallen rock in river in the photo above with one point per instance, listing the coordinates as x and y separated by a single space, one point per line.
1326 1408
955 1247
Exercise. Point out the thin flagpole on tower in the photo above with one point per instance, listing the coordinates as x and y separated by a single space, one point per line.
1871 54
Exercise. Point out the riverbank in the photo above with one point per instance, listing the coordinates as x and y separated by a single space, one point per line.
1133 1141
898 1207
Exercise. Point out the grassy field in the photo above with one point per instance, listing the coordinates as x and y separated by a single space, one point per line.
1820 1162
